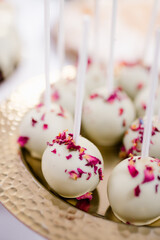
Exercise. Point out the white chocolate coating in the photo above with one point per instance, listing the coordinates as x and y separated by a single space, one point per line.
141 102
133 138
95 78
132 79
55 168
132 199
48 125
106 121
9 41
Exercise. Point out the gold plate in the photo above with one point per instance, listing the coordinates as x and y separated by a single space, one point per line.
23 193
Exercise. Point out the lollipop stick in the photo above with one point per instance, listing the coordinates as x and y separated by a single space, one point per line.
150 106
47 51
61 36
96 31
82 67
153 16
110 77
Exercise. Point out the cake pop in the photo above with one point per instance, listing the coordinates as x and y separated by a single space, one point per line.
72 170
133 190
40 126
108 111
133 186
107 116
71 164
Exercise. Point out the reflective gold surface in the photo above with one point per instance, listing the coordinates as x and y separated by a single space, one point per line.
23 194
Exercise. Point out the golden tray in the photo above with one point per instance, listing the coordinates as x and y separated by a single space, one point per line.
24 192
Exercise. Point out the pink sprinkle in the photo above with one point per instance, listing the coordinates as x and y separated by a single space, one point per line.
89 61
61 114
140 86
80 171
124 123
148 174
94 95
45 126
128 223
49 144
100 174
95 169
144 106
22 141
83 205
89 176
73 175
39 105
92 161
156 188
132 170
87 195
54 151
55 96
69 156
65 170
137 191
33 122
121 110
43 117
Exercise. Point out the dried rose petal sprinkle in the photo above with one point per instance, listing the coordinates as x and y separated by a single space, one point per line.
33 122
148 174
69 156
87 195
137 191
54 151
22 141
45 126
132 170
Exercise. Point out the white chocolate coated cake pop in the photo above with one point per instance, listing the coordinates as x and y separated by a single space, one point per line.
72 170
40 126
107 116
133 190
132 78
141 102
133 138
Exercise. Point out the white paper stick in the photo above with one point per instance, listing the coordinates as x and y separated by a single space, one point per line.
47 51
110 75
149 33
61 53
150 105
82 67
96 32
